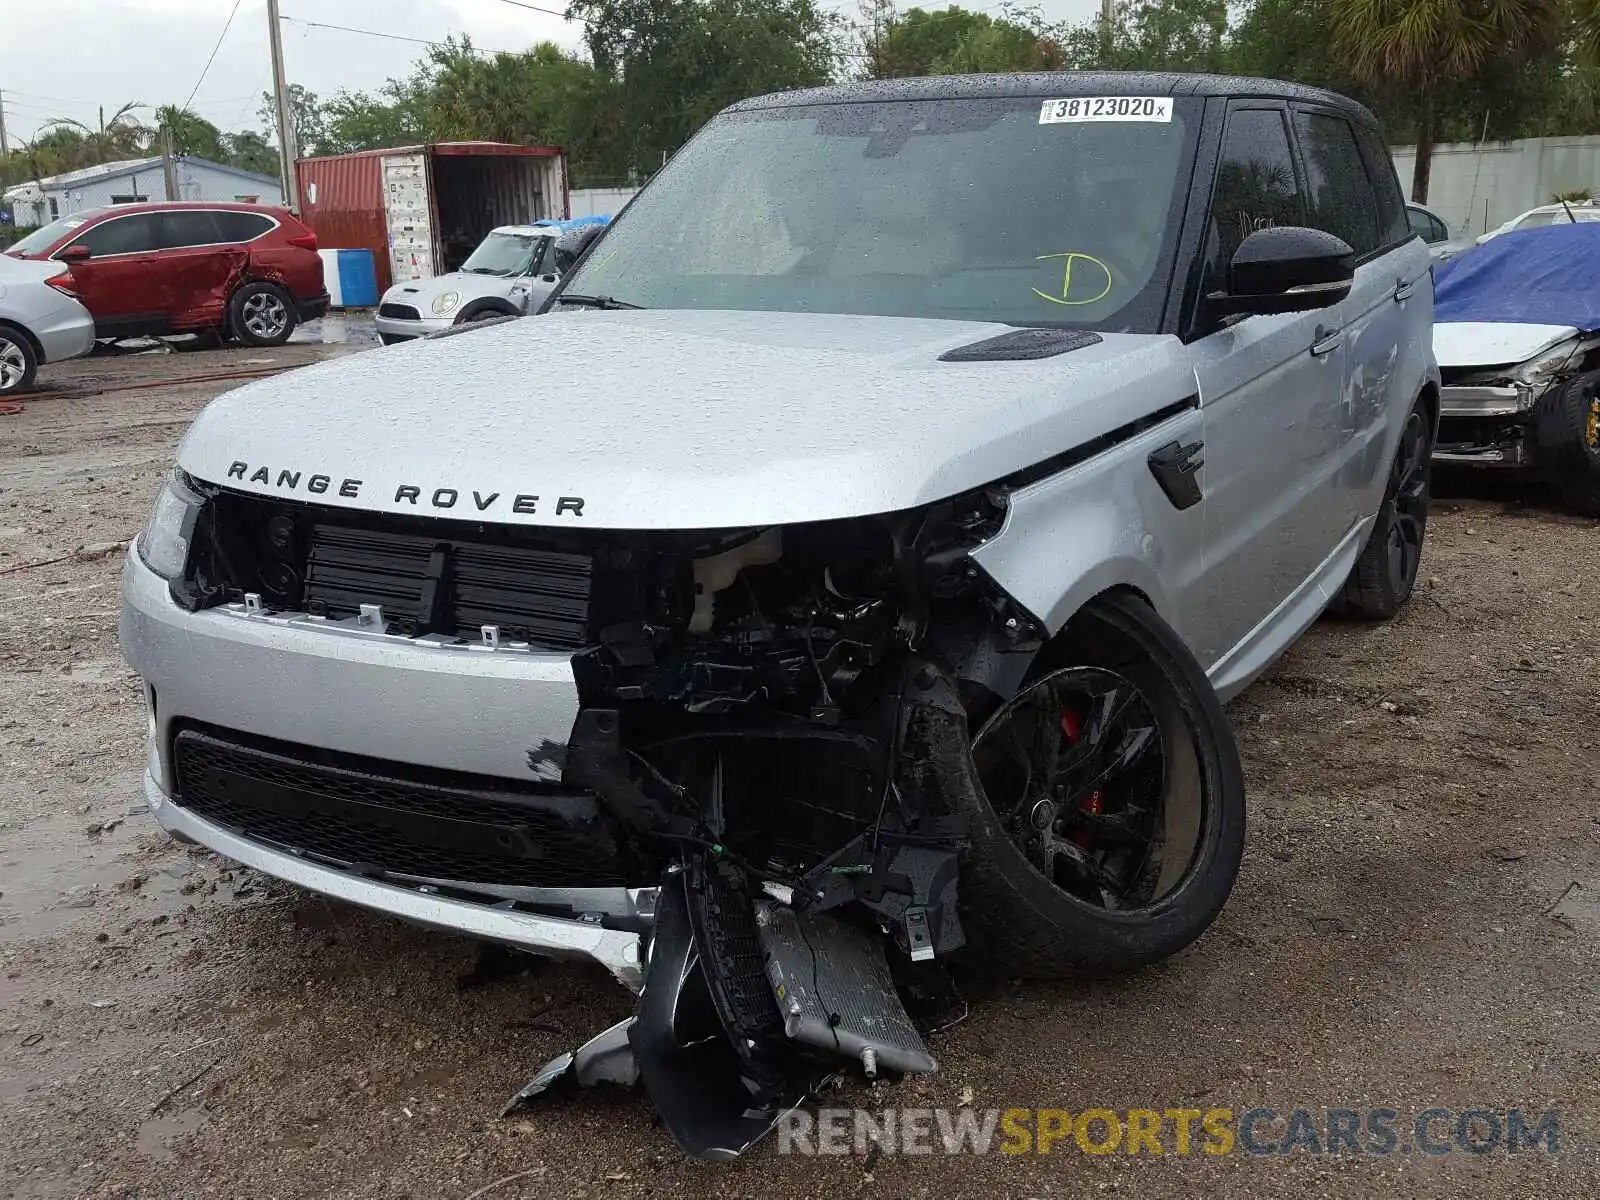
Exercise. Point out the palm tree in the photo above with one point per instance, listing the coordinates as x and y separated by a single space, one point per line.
120 137
191 133
1420 45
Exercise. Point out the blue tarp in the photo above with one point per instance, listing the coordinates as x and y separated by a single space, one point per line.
1548 276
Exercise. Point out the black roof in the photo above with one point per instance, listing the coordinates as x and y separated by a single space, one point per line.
1056 83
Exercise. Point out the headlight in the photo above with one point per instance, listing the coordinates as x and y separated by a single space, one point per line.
164 544
1539 370
444 302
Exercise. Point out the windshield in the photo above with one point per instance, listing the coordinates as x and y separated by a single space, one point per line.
45 236
505 254
988 209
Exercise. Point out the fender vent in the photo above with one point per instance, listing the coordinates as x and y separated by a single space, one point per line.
1023 344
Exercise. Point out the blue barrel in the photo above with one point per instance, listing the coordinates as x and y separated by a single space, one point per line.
358 279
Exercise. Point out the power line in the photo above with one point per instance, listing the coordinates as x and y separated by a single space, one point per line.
226 25
393 37
549 11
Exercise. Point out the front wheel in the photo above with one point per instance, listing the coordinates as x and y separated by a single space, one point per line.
18 363
1113 809
1567 434
260 314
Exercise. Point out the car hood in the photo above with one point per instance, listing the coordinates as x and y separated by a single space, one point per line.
673 419
420 293
1459 344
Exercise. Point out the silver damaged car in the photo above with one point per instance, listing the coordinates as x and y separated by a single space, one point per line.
835 595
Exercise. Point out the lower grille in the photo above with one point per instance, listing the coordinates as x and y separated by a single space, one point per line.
387 818
399 312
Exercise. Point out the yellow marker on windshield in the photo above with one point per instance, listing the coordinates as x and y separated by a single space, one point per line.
1073 257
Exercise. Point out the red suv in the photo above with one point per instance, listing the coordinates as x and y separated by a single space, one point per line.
143 269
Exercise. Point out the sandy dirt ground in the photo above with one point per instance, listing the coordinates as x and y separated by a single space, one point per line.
1417 922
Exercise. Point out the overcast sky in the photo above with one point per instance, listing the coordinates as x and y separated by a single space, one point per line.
64 58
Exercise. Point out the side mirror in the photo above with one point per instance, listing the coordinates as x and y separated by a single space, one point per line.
1285 270
571 245
74 253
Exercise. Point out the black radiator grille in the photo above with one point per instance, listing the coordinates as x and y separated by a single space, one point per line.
445 586
399 312
386 817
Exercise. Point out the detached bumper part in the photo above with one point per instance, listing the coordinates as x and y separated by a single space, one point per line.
755 991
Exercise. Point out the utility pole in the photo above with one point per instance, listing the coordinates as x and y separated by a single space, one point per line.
1108 21
169 169
286 130
5 147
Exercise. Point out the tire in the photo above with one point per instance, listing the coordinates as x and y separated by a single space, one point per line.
1020 922
1566 430
19 364
1382 580
261 314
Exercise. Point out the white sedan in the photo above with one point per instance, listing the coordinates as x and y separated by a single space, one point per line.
40 320
1547 214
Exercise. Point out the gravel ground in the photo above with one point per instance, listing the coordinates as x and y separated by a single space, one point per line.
1405 932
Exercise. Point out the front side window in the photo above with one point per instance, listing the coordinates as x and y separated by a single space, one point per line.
1257 187
1341 194
505 254
976 209
1422 225
121 235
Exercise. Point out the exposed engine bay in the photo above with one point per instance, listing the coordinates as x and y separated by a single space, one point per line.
775 723
781 733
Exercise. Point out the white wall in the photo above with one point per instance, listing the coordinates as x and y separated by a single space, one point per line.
1476 188
600 202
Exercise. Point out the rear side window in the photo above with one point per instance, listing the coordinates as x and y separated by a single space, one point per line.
241 226
1392 227
1342 197
1256 183
186 228
132 234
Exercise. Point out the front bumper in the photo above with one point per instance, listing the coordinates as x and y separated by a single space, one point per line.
331 686
618 950
398 327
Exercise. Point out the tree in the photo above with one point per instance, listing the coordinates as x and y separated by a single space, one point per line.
392 116
953 41
120 137
1428 47
250 151
305 110
190 132
675 63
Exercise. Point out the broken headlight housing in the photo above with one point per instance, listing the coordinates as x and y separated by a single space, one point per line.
1534 377
164 543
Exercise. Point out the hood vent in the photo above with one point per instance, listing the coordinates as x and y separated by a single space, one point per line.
1023 344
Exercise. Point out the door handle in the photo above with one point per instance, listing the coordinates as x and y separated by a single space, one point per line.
1402 289
1327 341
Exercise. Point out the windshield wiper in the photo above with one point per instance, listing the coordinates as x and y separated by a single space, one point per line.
594 301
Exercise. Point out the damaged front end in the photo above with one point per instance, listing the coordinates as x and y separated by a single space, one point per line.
1489 413
782 728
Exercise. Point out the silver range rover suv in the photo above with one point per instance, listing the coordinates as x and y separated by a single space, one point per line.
838 583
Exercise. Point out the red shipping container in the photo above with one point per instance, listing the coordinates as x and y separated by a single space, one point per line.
422 209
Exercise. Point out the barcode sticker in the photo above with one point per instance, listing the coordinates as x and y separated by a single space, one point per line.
1106 108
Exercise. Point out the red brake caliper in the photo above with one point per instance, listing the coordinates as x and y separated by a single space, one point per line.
1094 802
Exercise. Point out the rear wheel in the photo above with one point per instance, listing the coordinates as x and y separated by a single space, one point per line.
261 314
1113 817
1384 575
18 363
1567 433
